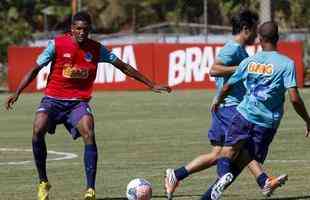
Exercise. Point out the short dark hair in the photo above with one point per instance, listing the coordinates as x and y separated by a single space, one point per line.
243 18
269 32
82 16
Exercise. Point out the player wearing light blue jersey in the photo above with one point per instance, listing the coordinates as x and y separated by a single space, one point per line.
266 76
244 30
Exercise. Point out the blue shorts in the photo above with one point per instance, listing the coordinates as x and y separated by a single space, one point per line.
257 138
221 120
67 112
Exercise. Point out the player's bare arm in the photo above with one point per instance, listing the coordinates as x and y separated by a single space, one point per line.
222 95
23 84
132 72
218 69
300 107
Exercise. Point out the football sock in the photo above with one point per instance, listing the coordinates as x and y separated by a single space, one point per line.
90 164
223 166
207 194
236 172
40 154
181 173
261 179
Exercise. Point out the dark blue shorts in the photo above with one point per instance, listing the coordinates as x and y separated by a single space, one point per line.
257 138
67 112
221 120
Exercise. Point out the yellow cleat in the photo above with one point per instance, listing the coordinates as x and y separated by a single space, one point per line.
43 190
90 194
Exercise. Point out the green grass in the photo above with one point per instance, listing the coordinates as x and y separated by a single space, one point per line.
140 134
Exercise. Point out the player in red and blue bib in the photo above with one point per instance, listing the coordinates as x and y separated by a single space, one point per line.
74 60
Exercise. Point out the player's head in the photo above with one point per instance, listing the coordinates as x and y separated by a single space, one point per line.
245 25
268 32
80 26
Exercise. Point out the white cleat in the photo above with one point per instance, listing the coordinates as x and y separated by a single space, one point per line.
272 183
171 183
220 185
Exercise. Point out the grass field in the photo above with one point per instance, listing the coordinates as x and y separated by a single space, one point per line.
140 134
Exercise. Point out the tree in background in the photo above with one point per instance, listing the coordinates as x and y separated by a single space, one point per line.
19 19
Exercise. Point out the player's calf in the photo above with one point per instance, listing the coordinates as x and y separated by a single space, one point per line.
220 185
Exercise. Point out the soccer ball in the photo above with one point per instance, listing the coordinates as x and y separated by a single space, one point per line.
139 189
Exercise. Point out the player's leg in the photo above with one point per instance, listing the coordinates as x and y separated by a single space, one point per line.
85 127
237 167
216 135
258 147
204 161
38 144
40 153
236 137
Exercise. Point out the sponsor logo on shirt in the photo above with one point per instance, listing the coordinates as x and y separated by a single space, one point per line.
88 57
74 72
258 68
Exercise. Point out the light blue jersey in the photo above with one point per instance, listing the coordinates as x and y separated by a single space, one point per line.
231 55
266 76
48 54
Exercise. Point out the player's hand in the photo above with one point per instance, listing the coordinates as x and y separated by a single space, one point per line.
215 105
307 134
10 101
159 89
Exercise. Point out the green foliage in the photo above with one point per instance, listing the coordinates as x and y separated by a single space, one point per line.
15 31
20 18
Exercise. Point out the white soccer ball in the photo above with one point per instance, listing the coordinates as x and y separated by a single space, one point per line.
139 189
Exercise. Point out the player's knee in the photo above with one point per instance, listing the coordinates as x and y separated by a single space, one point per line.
38 130
37 134
228 152
88 137
215 156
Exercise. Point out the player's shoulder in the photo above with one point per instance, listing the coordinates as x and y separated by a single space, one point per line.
232 45
230 48
94 43
285 58
63 36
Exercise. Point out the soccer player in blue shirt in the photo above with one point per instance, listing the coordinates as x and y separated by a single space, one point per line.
266 76
244 30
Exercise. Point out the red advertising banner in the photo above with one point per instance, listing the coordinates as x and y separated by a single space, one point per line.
181 66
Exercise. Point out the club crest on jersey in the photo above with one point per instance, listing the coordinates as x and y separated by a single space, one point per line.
258 68
88 57
67 55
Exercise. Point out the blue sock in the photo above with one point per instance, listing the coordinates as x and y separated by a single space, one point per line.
261 179
236 171
207 194
181 173
40 154
90 164
223 166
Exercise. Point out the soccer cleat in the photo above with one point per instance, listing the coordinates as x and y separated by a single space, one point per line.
220 186
273 183
90 194
43 190
171 183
